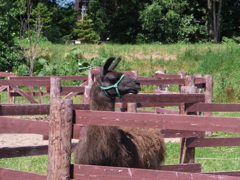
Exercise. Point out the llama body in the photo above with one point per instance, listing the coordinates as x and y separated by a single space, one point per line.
115 146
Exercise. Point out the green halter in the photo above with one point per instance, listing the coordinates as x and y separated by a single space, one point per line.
115 86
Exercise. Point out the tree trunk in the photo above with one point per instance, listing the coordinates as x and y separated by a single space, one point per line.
219 20
213 20
209 22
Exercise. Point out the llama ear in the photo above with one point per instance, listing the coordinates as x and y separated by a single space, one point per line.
114 65
107 64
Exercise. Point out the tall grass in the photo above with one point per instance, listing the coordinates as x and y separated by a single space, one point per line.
219 60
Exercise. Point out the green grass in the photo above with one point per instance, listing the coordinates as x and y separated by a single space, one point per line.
35 164
211 158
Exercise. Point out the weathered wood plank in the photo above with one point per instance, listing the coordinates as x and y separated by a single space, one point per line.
22 93
10 174
200 80
3 88
24 83
168 133
22 126
47 78
213 107
68 89
177 122
119 173
166 111
6 74
213 142
23 109
167 98
167 76
10 152
228 173
148 104
161 81
182 167
32 109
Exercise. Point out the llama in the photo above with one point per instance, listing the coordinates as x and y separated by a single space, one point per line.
115 146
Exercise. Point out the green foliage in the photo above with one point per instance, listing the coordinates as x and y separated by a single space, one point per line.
168 22
83 31
117 20
63 21
10 54
41 14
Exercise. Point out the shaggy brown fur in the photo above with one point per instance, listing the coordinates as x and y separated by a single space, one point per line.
114 146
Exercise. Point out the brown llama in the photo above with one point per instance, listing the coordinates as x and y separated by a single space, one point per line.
115 146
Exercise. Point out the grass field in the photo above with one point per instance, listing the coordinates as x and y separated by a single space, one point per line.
220 60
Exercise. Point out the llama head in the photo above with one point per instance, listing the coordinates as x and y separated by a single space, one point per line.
116 84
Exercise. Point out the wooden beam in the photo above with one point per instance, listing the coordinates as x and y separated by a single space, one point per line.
23 109
166 98
168 133
47 78
22 93
161 81
227 173
10 125
167 76
7 174
144 120
120 173
32 109
24 83
166 111
10 152
213 142
213 107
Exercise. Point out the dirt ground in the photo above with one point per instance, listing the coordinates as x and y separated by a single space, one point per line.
15 140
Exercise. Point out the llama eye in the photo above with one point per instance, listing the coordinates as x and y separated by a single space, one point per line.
113 80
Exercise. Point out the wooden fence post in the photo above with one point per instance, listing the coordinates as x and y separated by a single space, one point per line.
208 95
187 154
208 91
132 107
91 79
60 131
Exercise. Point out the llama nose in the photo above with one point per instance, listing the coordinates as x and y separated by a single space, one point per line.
138 84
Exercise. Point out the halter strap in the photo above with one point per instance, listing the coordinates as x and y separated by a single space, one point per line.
115 86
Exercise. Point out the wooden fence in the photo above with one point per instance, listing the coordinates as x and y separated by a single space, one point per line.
190 128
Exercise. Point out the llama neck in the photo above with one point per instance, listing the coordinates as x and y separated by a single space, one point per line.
99 101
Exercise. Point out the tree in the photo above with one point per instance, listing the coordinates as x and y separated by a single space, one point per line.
214 20
84 32
230 19
63 20
116 20
169 21
10 54
33 22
